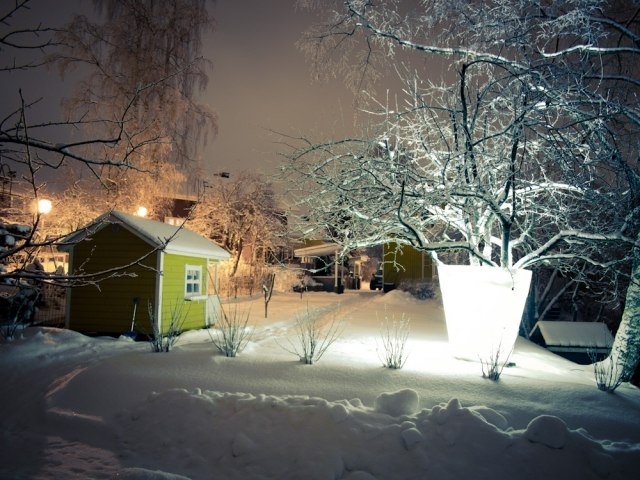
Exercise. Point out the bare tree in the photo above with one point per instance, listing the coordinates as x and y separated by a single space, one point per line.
240 214
522 155
151 49
23 43
267 290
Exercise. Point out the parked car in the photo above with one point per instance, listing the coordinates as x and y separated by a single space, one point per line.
377 280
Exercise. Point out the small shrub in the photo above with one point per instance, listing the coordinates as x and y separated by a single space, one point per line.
314 337
612 371
608 373
493 363
616 368
394 335
305 283
231 334
287 278
164 343
419 289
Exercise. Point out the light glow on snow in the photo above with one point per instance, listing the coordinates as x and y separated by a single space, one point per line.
79 407
483 308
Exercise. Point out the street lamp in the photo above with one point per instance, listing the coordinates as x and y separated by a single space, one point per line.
44 206
142 211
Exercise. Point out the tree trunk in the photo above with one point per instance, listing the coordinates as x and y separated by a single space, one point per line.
236 260
625 351
267 288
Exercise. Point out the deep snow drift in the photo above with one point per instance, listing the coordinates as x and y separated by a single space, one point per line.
79 407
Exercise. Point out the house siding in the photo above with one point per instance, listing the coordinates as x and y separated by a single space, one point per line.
109 308
173 296
417 265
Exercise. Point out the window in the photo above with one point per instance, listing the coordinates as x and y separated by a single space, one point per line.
193 280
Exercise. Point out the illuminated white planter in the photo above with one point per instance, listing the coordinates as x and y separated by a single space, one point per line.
483 307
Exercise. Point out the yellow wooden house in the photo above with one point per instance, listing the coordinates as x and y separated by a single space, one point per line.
140 271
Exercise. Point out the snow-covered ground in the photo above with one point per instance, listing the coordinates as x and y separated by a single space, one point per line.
75 407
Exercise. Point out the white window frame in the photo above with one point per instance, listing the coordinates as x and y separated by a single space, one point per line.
189 270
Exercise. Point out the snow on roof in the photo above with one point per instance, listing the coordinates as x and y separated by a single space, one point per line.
574 334
321 250
180 240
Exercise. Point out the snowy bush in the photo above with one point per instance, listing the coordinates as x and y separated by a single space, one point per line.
17 310
18 299
493 363
286 279
609 373
313 337
418 289
394 334
164 343
305 283
231 333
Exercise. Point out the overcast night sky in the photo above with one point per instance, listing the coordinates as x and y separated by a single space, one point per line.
260 82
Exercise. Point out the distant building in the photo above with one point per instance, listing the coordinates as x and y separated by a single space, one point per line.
404 262
318 258
580 342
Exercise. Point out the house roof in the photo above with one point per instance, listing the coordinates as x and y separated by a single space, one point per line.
574 334
172 239
321 250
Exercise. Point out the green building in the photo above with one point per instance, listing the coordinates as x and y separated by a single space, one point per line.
146 270
403 262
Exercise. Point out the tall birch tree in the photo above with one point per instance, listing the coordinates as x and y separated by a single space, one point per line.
153 50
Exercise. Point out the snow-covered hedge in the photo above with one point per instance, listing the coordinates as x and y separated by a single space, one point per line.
421 290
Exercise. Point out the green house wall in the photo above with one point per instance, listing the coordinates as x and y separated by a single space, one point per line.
192 313
413 264
109 307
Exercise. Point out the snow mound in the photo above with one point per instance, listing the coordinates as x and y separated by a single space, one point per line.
397 297
402 402
50 345
143 474
547 430
491 416
240 435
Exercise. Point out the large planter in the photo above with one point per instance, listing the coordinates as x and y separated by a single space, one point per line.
483 307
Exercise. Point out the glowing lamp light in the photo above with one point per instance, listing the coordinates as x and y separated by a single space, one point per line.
483 307
44 206
142 212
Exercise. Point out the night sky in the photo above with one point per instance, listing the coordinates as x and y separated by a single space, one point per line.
260 82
